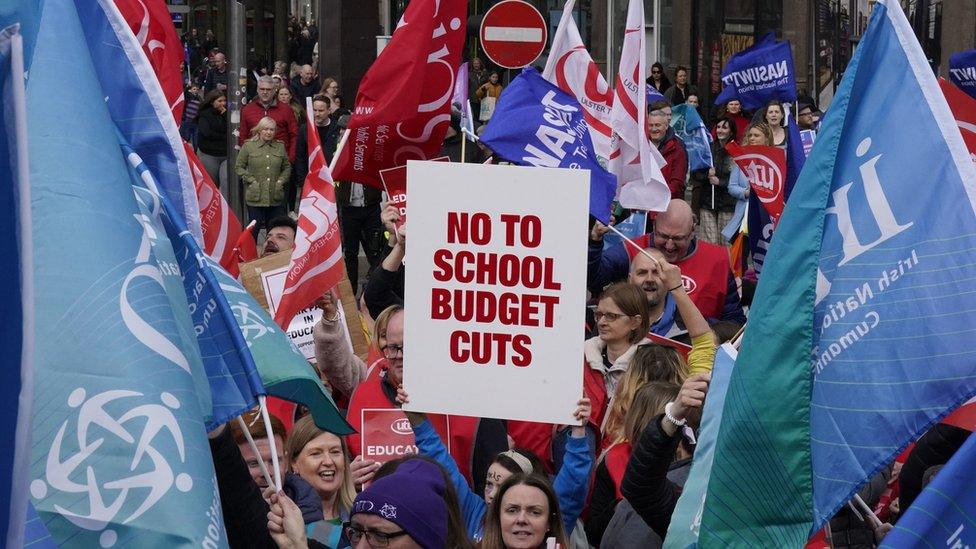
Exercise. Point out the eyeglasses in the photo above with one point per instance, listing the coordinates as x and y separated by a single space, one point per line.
655 71
674 238
599 315
375 539
391 351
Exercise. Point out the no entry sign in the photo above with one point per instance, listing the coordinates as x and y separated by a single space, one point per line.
513 34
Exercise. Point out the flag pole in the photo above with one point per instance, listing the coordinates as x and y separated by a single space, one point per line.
254 448
640 250
263 402
875 521
464 142
339 147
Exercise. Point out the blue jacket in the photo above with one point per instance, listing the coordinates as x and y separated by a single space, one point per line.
738 184
571 483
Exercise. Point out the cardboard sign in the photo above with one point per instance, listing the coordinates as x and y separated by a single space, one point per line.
495 290
387 434
264 279
395 183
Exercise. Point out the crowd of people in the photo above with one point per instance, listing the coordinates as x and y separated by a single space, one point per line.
610 480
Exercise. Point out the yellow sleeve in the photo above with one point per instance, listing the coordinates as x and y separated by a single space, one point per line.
702 354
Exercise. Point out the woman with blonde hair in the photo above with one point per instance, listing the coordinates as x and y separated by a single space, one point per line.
757 133
322 459
262 165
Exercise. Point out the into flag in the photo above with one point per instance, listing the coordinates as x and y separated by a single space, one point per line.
119 452
571 67
316 262
636 163
859 339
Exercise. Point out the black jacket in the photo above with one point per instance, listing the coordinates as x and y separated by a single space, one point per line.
934 448
645 484
212 131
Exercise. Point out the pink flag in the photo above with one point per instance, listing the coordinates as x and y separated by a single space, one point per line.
221 228
572 69
316 262
637 164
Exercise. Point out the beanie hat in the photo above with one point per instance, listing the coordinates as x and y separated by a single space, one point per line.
412 497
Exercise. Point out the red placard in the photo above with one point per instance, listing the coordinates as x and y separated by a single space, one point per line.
766 169
395 183
387 434
682 349
513 34
963 108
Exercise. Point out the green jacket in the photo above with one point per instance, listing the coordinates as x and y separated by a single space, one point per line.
264 168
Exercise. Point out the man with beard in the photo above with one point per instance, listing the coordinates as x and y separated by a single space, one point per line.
281 235
661 307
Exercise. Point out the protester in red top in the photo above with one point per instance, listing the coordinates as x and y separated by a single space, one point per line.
672 149
265 104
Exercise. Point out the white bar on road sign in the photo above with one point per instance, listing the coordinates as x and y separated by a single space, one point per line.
513 34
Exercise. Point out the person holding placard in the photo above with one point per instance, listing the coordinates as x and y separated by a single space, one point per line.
571 483
525 515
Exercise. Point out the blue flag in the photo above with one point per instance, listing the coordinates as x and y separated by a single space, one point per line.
16 367
634 226
538 124
759 73
119 451
652 94
962 71
231 373
944 514
861 333
688 126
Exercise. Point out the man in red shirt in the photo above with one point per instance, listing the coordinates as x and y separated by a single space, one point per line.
672 149
266 104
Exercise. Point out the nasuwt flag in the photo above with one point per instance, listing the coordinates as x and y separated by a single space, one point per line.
403 107
635 162
759 73
571 67
138 104
16 368
686 519
221 228
766 169
944 514
963 108
316 262
538 124
690 129
962 71
231 373
859 339
152 24
119 449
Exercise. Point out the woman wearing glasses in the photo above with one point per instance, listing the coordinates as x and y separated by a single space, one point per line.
658 79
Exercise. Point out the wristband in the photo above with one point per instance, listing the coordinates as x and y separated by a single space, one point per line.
674 421
676 287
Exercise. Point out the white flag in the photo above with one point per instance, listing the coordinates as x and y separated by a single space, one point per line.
637 164
571 68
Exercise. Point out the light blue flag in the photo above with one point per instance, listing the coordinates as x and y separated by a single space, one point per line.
690 129
944 514
861 333
120 455
231 373
687 516
634 226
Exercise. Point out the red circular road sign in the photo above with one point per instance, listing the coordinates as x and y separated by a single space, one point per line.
513 34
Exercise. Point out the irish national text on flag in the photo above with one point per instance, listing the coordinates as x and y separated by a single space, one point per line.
861 337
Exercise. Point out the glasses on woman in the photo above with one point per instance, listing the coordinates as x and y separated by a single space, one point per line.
391 351
354 533
600 315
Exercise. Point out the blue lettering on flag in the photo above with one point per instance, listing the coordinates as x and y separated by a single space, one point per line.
538 124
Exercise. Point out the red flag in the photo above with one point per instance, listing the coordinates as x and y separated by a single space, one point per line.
152 24
245 249
766 169
403 107
316 262
395 185
221 228
963 108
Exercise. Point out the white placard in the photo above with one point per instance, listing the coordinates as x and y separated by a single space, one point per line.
300 328
532 222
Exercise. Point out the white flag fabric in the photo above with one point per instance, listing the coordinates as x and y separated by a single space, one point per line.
571 67
637 164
